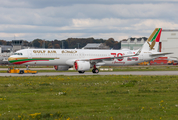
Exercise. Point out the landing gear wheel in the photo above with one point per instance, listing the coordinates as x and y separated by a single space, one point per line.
21 72
95 70
81 71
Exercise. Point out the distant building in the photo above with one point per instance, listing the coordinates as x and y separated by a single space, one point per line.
169 42
5 49
17 45
5 52
133 43
96 46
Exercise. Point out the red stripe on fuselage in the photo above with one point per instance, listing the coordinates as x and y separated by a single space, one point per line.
100 58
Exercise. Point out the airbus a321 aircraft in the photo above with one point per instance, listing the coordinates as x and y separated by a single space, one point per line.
83 59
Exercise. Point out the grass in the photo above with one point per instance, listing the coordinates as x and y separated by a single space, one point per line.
89 97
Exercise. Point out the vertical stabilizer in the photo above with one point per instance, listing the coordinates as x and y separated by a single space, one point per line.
152 43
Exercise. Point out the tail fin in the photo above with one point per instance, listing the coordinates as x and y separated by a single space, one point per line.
152 43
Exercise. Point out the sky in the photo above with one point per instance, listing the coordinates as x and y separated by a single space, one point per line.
62 19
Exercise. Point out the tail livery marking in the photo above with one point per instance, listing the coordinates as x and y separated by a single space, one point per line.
151 45
155 37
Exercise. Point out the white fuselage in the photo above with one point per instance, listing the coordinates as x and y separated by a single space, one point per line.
68 56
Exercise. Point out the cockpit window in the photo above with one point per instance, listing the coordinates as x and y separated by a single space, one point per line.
18 54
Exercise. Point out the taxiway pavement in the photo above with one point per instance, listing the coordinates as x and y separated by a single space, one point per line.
101 73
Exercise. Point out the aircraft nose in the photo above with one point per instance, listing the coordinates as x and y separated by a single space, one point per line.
11 58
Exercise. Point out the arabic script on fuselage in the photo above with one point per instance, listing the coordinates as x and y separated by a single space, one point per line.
69 51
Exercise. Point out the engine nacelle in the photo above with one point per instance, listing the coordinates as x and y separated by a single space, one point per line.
82 65
61 67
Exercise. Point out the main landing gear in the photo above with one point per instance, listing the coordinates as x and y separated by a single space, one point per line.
95 70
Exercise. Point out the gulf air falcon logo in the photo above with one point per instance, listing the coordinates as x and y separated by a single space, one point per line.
151 45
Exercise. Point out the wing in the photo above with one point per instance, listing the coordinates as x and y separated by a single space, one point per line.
97 61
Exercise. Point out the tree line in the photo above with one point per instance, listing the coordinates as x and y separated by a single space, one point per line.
69 43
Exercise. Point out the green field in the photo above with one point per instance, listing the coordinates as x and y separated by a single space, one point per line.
89 97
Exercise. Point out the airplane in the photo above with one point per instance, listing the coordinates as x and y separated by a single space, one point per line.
85 59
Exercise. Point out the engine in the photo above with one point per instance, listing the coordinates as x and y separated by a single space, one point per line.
82 65
61 67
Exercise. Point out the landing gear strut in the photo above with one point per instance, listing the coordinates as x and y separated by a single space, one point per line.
27 67
95 70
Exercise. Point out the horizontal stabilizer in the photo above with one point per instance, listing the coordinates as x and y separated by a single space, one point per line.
159 53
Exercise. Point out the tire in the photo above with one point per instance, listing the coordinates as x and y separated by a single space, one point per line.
95 70
81 72
21 72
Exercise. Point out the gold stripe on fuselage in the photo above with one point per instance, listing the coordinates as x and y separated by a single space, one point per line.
15 58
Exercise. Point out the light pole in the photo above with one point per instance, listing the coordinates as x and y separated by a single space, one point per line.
62 44
78 45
